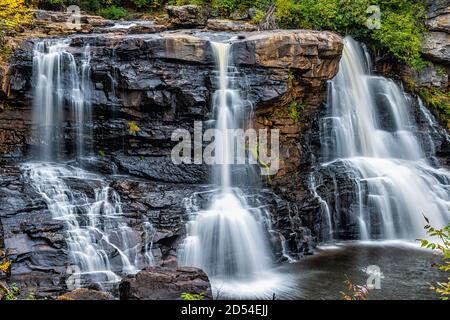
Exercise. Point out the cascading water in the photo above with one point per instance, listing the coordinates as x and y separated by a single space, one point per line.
368 135
99 242
59 85
95 232
227 240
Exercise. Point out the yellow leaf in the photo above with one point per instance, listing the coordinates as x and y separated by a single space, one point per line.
133 128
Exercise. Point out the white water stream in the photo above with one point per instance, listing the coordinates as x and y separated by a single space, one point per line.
369 130
101 245
227 240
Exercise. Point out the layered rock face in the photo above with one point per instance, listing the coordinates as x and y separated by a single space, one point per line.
436 44
158 83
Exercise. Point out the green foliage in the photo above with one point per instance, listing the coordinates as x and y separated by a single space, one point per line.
438 101
338 15
443 247
291 76
5 51
401 23
147 4
258 17
8 292
141 3
112 9
184 2
401 35
114 12
192 296
13 14
294 109
227 7
92 6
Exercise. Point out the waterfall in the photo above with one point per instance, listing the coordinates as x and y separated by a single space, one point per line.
96 234
369 135
227 240
60 85
99 242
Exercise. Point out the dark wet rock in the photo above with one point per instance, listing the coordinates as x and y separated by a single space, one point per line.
85 294
25 212
162 205
39 285
289 236
165 284
163 169
95 164
33 241
187 16
142 29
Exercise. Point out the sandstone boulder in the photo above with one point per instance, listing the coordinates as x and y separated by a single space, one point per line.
86 294
187 16
230 25
440 22
165 284
436 42
436 46
312 51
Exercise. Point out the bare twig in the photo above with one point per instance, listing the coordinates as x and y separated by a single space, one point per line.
268 22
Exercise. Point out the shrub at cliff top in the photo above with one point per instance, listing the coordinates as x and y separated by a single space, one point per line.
402 23
105 7
13 13
114 12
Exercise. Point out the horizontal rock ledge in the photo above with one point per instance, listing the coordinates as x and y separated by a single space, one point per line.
294 49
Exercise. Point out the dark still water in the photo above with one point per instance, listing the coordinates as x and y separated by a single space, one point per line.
406 271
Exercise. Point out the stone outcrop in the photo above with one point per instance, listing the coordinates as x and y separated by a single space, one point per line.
436 46
165 284
309 64
85 294
64 17
187 16
315 54
436 43
230 25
